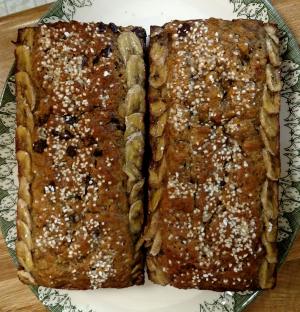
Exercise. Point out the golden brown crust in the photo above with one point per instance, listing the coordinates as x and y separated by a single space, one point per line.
214 131
80 143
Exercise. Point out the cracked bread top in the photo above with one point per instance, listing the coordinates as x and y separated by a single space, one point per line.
80 105
209 93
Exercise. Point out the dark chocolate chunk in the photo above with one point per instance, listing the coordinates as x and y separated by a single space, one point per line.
71 151
96 60
182 32
101 27
140 32
106 52
41 120
98 152
67 135
70 120
55 133
84 61
90 140
114 28
39 146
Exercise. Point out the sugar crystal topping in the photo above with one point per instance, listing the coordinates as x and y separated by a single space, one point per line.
77 136
214 88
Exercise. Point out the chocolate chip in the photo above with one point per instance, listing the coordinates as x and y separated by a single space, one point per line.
78 197
117 123
67 135
140 32
182 32
98 152
41 120
54 132
70 120
84 61
114 28
71 151
101 27
39 146
96 60
106 52
222 183
90 140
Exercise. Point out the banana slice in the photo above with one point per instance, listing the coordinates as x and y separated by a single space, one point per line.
273 78
156 245
271 103
23 139
271 144
135 71
136 191
160 148
155 199
157 108
266 275
24 234
135 101
270 123
271 250
23 55
273 171
271 31
26 277
23 213
129 44
25 87
24 256
158 128
158 53
158 75
134 149
134 123
273 52
24 162
136 217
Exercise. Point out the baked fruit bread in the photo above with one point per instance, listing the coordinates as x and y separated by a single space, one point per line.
80 143
214 134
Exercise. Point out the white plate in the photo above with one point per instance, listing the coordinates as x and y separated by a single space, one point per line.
144 13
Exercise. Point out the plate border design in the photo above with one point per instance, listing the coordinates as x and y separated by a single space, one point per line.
289 218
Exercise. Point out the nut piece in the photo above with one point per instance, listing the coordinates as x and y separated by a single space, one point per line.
128 44
271 103
135 71
136 217
273 78
24 256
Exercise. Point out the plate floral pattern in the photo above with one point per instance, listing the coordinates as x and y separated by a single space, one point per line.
289 218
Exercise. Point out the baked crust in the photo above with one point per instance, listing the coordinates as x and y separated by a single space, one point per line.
79 146
214 134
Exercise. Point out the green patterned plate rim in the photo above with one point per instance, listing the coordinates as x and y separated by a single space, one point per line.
289 217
